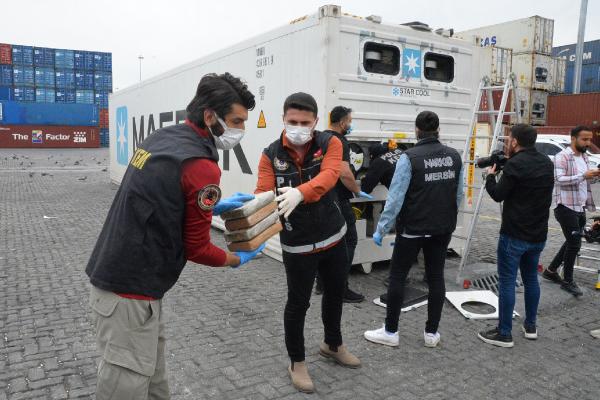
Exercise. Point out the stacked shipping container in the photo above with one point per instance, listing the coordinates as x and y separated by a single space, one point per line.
37 75
590 71
537 72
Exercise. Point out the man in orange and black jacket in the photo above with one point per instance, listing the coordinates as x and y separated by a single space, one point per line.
303 165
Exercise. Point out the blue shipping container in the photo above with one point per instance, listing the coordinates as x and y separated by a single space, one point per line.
45 95
15 113
22 55
65 79
101 99
44 77
6 93
103 81
102 61
23 76
43 57
89 60
64 59
65 95
84 96
79 59
591 52
6 75
22 93
84 80
17 55
590 78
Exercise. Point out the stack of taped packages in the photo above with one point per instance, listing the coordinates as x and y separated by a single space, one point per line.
249 226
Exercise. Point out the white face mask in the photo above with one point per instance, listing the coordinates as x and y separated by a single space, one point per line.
229 138
298 135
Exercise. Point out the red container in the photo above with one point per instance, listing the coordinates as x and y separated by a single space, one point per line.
574 109
497 97
554 130
47 136
5 53
103 118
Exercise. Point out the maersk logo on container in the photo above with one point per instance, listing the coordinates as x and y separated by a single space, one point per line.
122 136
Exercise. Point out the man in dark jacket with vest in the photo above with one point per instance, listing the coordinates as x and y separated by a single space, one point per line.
303 165
423 201
159 219
340 125
382 166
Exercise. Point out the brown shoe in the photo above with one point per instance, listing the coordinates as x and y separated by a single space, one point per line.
300 377
342 356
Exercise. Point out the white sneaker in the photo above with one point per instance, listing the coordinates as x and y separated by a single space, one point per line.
431 339
595 333
382 337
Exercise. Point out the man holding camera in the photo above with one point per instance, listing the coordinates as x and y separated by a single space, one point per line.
572 196
525 187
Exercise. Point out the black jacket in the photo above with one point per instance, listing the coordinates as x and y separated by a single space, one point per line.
310 223
381 170
430 204
140 249
526 188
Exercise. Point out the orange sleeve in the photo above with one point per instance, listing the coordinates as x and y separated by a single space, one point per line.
329 175
266 176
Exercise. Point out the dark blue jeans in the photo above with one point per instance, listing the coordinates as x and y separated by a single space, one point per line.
515 254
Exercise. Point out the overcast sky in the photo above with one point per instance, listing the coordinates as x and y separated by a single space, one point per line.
169 33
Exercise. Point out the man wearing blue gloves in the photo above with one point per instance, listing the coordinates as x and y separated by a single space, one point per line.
423 202
160 218
340 125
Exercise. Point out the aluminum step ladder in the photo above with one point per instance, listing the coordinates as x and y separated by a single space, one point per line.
496 118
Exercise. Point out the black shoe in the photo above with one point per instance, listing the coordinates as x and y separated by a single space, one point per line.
529 331
351 296
572 288
494 337
552 276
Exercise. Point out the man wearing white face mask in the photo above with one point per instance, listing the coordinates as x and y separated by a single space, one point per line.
303 165
160 218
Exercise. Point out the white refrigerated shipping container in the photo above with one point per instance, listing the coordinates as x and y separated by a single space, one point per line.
534 105
387 74
527 35
539 71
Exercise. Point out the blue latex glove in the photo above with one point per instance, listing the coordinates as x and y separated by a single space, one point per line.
364 195
237 200
377 238
246 256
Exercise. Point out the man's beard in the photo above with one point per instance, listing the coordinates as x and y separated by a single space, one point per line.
581 149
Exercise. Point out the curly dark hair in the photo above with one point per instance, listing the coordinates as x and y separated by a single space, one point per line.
218 93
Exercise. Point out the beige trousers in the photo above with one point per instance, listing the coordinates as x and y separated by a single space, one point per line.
130 338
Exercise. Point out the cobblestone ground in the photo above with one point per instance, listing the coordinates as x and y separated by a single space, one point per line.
225 331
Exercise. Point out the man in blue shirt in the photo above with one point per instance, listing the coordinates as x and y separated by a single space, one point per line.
423 202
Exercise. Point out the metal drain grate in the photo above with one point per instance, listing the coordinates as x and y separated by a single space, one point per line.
489 282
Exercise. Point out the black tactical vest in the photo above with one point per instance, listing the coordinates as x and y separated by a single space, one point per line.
140 249
430 204
314 225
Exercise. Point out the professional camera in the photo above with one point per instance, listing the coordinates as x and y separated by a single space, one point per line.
592 233
497 157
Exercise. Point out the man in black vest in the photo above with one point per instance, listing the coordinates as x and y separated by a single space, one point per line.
159 219
423 200
340 125
303 165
